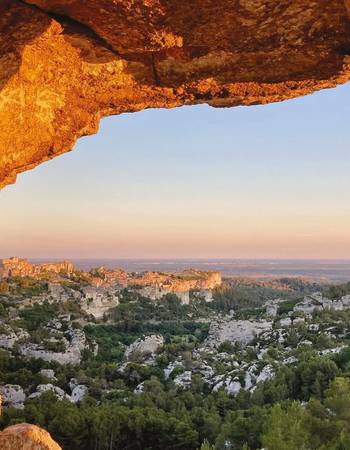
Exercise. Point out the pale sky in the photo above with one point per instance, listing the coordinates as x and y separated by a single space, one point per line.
267 181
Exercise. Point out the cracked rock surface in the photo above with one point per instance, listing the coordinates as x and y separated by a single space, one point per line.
67 63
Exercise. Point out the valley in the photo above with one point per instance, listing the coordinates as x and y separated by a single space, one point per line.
100 358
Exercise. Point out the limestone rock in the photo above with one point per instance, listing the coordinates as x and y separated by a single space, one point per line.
241 331
184 379
233 388
155 285
231 385
266 374
79 391
272 308
12 395
171 366
178 282
65 64
316 302
43 388
10 338
26 437
48 373
146 346
18 267
72 354
140 388
98 302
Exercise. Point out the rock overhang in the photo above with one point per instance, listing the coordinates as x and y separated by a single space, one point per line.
65 64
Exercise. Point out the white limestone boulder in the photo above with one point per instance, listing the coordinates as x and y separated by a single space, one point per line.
13 395
184 379
241 331
43 388
146 346
48 373
79 393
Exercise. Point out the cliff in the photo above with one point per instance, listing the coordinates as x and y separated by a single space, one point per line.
179 282
65 64
101 277
21 268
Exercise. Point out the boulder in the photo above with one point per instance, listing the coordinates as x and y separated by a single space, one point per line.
139 388
233 387
48 373
184 379
98 301
79 393
24 436
147 346
13 395
241 331
43 388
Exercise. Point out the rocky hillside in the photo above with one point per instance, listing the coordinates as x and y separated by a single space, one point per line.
18 267
223 373
98 291
66 64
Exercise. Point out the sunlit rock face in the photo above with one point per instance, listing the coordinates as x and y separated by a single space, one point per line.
18 267
65 64
27 437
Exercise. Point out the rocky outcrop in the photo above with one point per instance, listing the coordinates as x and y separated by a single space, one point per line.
272 307
155 285
70 344
72 354
178 282
98 292
12 395
26 437
43 388
316 302
79 391
147 346
240 331
18 267
184 379
98 302
49 374
65 64
156 292
101 276
10 338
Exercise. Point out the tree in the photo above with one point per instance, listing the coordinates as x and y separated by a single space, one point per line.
243 428
329 422
206 446
338 398
284 428
314 376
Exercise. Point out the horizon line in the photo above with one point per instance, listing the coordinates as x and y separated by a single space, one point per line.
155 258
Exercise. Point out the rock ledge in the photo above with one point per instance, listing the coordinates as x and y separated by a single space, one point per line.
65 64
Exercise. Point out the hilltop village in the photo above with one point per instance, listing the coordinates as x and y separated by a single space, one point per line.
202 355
